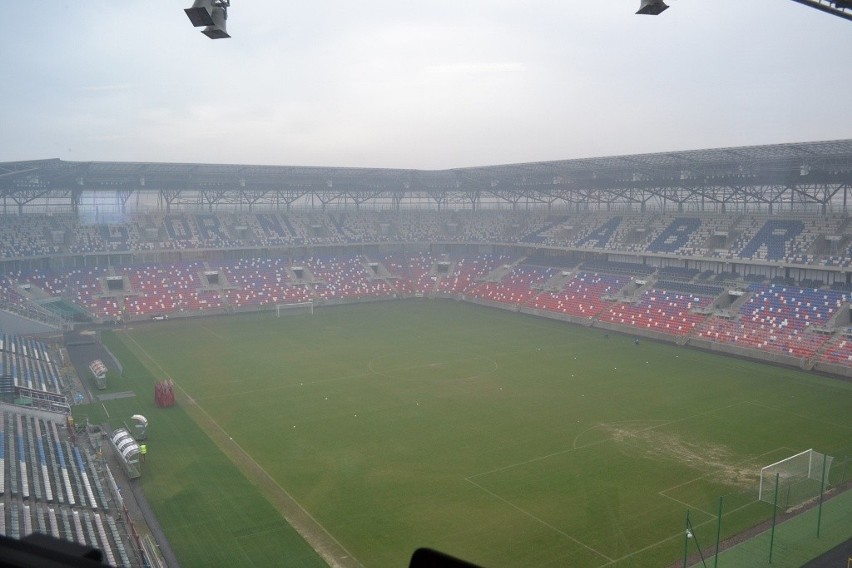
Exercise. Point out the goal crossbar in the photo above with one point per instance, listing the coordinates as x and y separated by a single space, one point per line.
779 462
796 469
303 306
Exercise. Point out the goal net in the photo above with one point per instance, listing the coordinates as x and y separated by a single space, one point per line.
294 309
799 478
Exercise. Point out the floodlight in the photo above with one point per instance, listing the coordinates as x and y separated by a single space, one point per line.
210 13
201 13
652 7
217 30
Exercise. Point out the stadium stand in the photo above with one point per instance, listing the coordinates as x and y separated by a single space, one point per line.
775 240
551 261
613 267
779 319
28 363
342 278
263 230
678 273
84 286
414 273
515 288
106 237
582 296
631 234
10 298
677 236
468 271
811 240
259 282
550 232
564 264
839 351
662 310
600 236
32 235
55 487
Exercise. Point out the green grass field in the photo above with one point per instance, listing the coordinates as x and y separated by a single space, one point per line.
500 438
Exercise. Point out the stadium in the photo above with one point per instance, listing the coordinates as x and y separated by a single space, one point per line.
632 360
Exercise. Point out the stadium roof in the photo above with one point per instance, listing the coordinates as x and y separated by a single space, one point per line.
811 171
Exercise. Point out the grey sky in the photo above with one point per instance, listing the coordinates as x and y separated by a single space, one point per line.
427 85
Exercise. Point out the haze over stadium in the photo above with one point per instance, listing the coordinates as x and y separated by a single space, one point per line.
532 283
428 86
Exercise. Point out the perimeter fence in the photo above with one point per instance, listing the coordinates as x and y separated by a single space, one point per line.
792 517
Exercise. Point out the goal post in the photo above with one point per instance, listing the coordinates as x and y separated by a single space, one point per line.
799 478
294 308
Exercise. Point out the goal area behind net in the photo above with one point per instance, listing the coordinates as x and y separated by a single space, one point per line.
797 479
294 309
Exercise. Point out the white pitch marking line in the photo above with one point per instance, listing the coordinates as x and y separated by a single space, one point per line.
707 474
247 455
674 536
798 415
662 493
541 521
207 329
598 442
687 505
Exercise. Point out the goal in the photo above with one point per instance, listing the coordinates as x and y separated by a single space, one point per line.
294 309
799 478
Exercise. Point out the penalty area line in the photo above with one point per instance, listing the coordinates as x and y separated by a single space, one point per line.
663 492
575 447
677 535
538 520
694 479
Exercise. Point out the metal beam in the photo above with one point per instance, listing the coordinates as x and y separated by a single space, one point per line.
828 8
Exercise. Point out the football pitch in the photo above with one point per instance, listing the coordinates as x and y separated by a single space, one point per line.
500 438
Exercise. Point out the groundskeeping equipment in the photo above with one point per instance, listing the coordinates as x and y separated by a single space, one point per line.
799 478
164 393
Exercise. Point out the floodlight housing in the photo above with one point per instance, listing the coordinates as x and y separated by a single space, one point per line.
201 13
218 29
652 7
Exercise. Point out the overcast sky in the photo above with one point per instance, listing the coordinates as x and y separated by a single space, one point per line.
425 85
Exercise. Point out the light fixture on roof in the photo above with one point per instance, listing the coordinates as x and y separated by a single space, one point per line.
840 8
201 13
652 7
210 13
